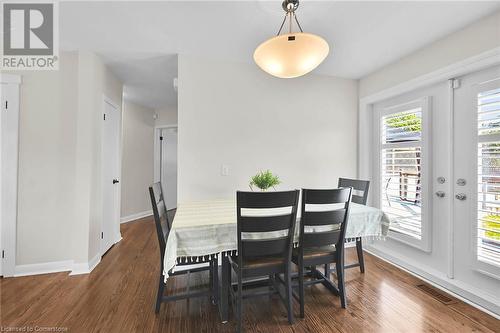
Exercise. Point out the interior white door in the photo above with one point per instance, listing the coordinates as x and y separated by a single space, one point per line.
169 166
110 176
477 180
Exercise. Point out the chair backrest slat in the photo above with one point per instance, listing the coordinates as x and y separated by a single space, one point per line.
261 245
324 197
269 247
265 223
358 185
320 219
265 199
324 217
315 239
160 216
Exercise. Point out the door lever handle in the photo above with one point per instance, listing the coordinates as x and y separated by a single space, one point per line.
115 181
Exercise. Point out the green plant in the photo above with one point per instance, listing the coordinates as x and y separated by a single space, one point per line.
410 122
264 180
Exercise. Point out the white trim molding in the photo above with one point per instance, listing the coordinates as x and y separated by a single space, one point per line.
136 216
86 267
9 169
44 268
58 266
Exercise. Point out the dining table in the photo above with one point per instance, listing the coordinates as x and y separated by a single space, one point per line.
206 228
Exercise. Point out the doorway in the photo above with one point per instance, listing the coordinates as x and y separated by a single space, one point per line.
110 172
166 163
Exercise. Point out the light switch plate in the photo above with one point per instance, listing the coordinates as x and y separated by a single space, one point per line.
224 170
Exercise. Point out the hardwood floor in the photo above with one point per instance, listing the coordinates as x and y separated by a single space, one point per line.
119 296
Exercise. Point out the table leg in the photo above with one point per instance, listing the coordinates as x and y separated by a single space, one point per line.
224 295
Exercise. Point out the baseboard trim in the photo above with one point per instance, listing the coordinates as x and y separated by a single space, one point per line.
86 267
43 268
136 216
465 292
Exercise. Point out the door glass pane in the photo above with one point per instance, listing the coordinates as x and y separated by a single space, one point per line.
488 212
488 175
401 171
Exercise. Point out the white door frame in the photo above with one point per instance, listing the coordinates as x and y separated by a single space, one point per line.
10 161
156 162
117 236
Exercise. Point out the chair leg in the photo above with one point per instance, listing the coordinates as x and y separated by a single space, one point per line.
239 299
340 279
159 296
301 289
289 297
361 259
214 281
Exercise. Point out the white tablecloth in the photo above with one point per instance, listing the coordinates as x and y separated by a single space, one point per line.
207 227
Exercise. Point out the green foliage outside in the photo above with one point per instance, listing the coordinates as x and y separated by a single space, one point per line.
493 224
411 122
264 180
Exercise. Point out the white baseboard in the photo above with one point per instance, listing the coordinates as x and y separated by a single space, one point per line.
135 216
463 291
86 267
43 268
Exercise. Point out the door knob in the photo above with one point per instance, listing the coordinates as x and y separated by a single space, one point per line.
461 196
440 194
115 181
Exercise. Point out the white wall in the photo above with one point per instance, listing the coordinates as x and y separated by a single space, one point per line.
59 211
46 176
166 116
137 160
475 39
302 129
94 81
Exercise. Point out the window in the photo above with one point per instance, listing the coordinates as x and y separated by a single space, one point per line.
402 138
488 206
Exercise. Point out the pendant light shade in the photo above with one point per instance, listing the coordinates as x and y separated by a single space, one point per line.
293 54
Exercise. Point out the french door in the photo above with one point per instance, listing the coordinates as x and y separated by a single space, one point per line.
477 179
437 176
412 142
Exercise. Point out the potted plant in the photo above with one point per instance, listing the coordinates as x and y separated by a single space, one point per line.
264 180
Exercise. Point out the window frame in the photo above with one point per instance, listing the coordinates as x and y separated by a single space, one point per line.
424 103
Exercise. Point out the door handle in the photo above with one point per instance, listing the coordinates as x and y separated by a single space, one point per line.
440 194
115 181
460 196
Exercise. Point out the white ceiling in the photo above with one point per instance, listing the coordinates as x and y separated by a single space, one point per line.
140 40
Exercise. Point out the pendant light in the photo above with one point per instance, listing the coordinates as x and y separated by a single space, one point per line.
292 54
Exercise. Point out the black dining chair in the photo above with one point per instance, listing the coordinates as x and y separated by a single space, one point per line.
361 186
321 239
208 263
264 254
